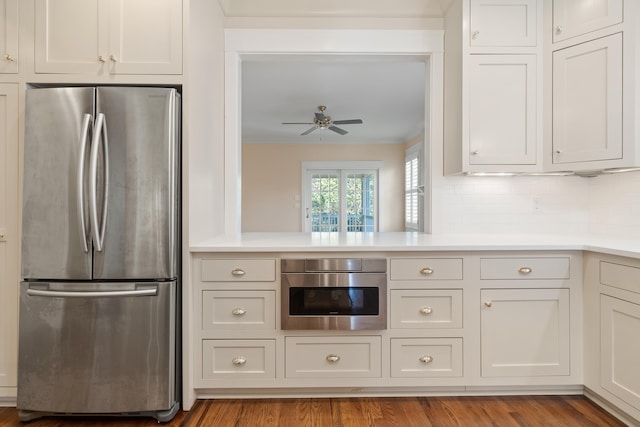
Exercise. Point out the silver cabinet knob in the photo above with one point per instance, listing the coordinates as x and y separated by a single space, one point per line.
9 58
238 311
3 237
559 29
475 153
557 152
426 271
333 358
426 310
475 35
239 361
112 58
101 59
426 358
524 270
238 272
488 303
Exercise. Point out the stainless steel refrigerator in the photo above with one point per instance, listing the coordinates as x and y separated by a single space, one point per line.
99 296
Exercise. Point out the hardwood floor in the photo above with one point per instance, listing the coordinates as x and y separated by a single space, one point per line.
534 411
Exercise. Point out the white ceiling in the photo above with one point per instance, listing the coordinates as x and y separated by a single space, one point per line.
387 93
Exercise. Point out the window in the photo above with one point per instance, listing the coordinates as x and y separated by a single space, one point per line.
341 196
413 189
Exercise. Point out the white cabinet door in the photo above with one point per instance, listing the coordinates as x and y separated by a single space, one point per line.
145 37
575 17
8 234
620 349
8 36
502 109
503 23
108 36
525 332
70 36
587 101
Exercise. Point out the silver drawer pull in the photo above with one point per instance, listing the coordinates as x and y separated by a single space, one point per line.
239 361
238 272
488 303
425 310
475 35
238 311
525 270
559 29
333 358
426 271
426 358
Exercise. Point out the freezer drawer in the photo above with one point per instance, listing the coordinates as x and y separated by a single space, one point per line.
97 347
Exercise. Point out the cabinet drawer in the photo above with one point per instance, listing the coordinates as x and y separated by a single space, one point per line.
238 270
426 357
620 276
333 357
238 359
431 308
238 310
524 268
425 269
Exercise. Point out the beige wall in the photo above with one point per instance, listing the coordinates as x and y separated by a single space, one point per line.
271 180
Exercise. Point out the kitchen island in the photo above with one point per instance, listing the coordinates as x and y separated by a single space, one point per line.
466 315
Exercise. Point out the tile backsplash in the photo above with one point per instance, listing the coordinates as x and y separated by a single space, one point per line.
614 205
605 205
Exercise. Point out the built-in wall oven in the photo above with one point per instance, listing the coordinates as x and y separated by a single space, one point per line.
334 293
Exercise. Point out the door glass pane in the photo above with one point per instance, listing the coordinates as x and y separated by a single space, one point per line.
325 202
360 201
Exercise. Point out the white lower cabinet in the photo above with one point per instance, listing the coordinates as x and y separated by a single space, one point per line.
426 357
333 357
620 351
525 332
238 359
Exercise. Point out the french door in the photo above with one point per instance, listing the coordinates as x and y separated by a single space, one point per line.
341 200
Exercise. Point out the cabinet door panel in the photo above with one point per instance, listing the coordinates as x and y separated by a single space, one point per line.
503 23
502 109
68 36
145 37
8 234
525 332
8 36
575 17
587 101
620 323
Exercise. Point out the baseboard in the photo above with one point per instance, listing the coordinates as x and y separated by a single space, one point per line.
610 408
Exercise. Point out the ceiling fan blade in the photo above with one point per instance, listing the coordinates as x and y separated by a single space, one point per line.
338 130
296 123
348 122
308 131
320 116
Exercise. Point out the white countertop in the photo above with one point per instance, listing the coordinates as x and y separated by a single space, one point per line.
341 242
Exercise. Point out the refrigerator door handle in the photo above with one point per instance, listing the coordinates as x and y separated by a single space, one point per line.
99 136
98 294
84 139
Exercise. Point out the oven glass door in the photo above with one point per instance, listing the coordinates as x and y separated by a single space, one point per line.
334 301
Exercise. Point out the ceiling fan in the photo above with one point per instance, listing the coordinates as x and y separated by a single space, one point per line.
323 121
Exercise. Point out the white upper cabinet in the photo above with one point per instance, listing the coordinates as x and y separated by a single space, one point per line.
572 18
503 23
108 36
587 101
502 109
8 36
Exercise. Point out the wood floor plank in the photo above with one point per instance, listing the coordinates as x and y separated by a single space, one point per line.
487 411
